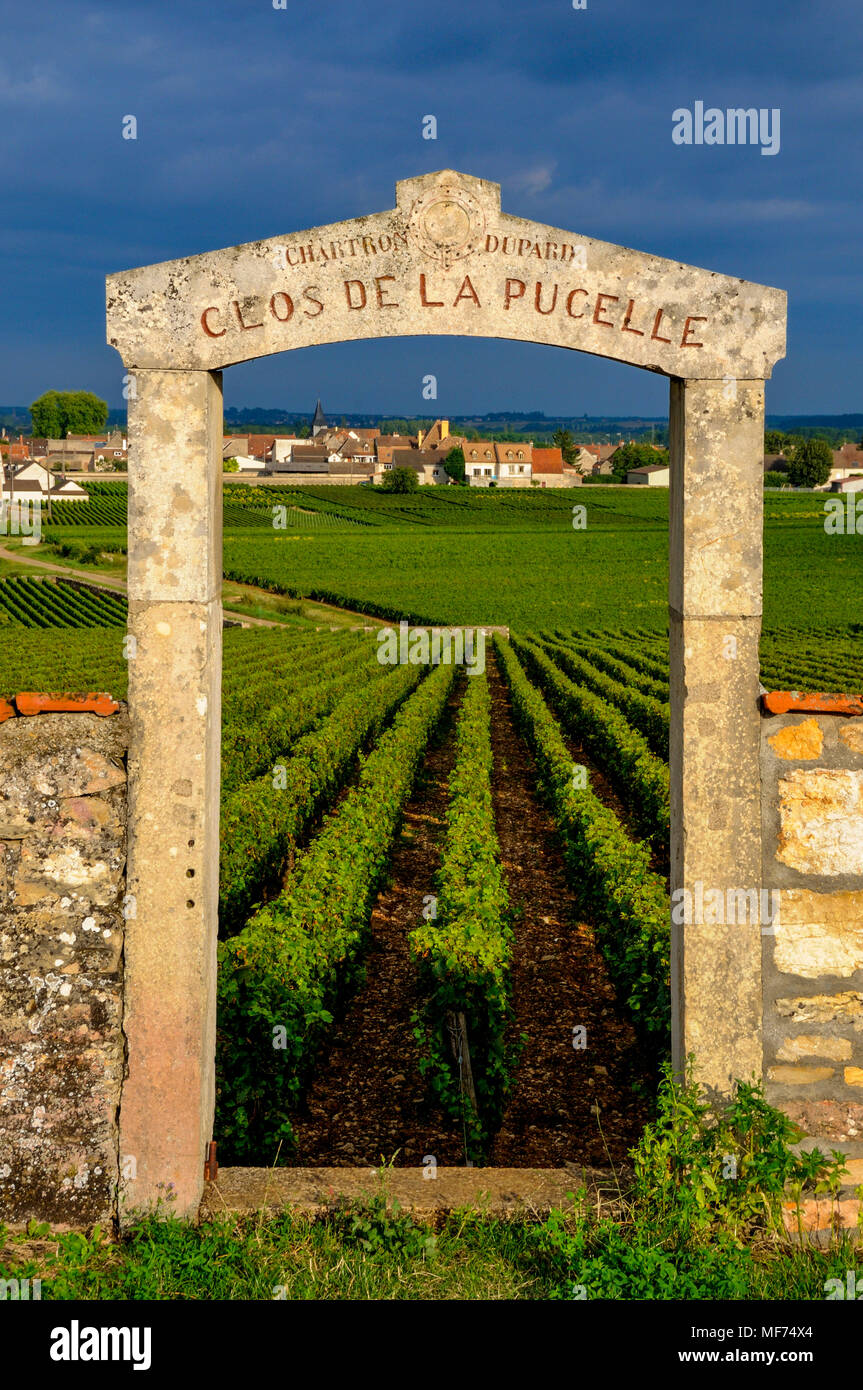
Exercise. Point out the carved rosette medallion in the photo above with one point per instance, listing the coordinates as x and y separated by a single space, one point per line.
447 223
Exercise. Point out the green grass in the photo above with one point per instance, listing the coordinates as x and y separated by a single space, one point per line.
358 1254
682 1232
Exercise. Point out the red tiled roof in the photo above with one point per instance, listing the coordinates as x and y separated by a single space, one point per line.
260 445
547 461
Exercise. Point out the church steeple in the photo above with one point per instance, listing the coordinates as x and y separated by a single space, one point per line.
319 423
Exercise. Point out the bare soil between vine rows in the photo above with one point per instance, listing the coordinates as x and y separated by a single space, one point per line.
367 1102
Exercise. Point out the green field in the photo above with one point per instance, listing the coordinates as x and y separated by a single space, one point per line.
534 568
349 786
462 556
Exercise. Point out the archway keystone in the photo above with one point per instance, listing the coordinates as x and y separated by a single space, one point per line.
445 260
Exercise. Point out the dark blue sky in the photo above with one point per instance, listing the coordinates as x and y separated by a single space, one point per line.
255 122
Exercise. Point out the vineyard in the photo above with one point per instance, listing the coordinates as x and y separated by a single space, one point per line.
53 603
314 804
431 883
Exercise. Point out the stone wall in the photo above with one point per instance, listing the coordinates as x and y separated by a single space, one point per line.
62 885
812 799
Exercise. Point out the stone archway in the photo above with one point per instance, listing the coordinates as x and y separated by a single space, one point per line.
445 260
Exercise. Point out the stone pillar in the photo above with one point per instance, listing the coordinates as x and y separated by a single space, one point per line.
716 451
175 619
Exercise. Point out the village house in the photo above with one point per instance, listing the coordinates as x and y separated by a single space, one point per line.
108 449
234 445
260 447
847 460
19 453
480 463
33 472
346 446
549 470
604 454
72 455
426 463
584 459
34 479
653 475
283 444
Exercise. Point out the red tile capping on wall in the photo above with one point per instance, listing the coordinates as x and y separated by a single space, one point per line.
7 711
785 701
92 703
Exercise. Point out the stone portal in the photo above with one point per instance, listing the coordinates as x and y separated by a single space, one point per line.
445 260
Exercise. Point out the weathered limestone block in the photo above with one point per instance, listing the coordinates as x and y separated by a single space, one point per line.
814 1045
798 741
821 818
800 1076
824 1008
819 934
852 736
715 519
61 942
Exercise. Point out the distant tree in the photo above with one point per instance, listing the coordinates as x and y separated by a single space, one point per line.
46 416
778 442
774 478
630 456
230 466
454 463
811 462
400 480
85 413
404 427
58 413
563 440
